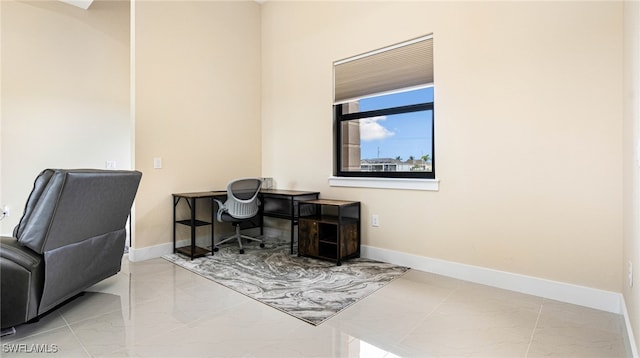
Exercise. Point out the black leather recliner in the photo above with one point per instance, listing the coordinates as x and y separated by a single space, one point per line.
71 236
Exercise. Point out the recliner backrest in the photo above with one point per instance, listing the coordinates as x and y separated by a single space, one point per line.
39 186
74 205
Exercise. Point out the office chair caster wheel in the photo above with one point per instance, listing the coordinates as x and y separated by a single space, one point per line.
215 249
241 251
262 245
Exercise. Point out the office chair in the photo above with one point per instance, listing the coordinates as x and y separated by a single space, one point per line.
242 204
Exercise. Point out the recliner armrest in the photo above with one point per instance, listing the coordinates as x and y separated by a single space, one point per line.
22 272
10 249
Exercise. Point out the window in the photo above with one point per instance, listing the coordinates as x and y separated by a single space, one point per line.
383 107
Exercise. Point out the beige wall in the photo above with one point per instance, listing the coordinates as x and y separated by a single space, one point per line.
197 103
631 244
65 92
528 128
535 133
529 117
66 97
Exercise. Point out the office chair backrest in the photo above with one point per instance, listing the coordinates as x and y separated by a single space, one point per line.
242 197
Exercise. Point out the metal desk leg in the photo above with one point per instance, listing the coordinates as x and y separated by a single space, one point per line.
292 218
193 227
176 200
212 221
261 216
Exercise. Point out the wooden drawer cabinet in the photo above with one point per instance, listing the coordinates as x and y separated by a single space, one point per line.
330 230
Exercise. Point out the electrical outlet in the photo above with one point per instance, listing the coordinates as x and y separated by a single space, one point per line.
375 220
6 211
630 273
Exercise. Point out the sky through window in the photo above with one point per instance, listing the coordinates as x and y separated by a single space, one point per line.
401 135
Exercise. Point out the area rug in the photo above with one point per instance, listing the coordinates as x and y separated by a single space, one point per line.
309 289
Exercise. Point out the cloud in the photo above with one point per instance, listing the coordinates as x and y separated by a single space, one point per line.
370 129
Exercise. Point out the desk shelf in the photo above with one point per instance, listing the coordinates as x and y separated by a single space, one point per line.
197 251
191 199
331 232
196 223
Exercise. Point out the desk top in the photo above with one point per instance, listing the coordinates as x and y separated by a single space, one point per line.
285 192
333 202
197 195
215 193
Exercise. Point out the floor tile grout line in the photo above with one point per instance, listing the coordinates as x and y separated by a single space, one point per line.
90 317
32 334
430 313
533 332
75 336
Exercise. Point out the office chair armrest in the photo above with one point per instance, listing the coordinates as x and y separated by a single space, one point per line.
221 209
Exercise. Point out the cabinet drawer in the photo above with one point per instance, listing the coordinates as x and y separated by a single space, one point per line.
308 237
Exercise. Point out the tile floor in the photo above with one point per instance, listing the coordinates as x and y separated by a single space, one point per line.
156 309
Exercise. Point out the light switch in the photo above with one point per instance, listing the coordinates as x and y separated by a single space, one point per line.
157 163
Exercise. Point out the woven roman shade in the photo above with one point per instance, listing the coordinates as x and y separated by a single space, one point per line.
405 65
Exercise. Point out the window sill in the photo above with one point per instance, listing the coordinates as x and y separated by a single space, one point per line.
386 183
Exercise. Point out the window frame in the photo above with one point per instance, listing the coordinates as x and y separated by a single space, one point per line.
340 117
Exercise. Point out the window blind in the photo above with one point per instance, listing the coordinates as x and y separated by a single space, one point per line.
404 65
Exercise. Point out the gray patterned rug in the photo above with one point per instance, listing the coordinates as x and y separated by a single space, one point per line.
308 289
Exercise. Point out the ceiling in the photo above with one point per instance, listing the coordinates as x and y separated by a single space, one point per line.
84 4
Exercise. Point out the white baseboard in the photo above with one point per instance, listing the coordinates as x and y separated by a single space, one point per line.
151 252
560 291
630 342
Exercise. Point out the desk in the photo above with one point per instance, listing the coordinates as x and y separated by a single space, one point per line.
283 204
191 199
277 203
